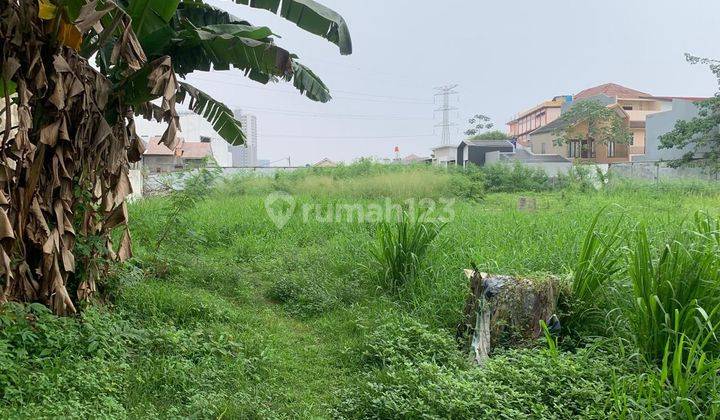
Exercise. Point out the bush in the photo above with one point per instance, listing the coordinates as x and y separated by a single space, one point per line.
469 183
513 178
405 340
516 384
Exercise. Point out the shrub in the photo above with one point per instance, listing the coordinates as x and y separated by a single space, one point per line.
515 384
516 177
579 178
400 249
468 183
404 340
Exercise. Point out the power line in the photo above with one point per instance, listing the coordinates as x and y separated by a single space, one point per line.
350 92
265 89
446 92
310 114
396 78
302 136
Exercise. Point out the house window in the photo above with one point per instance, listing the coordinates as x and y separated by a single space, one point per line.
628 107
572 149
583 149
611 149
204 139
542 148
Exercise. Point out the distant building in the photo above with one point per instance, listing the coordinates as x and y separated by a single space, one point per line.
474 151
664 122
536 117
158 158
410 159
552 165
325 163
263 162
545 142
444 155
636 104
246 155
194 128
636 108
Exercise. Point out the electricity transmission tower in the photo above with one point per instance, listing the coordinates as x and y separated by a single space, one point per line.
446 92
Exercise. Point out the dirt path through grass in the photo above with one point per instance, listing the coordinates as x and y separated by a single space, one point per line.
301 359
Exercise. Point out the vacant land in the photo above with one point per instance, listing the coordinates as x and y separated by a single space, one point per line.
231 317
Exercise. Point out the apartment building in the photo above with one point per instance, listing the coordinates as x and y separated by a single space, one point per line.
536 117
247 154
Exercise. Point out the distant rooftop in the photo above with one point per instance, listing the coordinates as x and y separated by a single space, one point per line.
527 157
491 143
155 148
612 90
556 102
185 149
557 124
682 98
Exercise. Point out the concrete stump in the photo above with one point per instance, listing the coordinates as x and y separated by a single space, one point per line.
505 311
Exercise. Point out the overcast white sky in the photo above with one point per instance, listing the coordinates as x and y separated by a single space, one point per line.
505 55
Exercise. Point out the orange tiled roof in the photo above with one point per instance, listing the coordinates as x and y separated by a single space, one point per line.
612 90
193 150
155 148
185 149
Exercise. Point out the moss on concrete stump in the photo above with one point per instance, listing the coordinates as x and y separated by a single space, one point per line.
505 311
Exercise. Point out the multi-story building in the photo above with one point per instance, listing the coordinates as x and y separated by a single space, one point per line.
637 106
246 155
536 117
633 106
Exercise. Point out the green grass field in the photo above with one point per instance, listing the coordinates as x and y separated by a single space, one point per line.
231 317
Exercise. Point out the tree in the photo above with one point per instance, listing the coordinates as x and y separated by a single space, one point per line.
68 131
479 123
701 134
590 121
491 135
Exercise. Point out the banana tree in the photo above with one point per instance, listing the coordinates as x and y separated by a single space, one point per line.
67 131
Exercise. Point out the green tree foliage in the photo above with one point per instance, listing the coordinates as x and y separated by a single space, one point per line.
700 135
491 135
478 124
591 120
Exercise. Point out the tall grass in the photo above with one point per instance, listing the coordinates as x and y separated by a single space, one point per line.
598 260
400 249
676 293
398 185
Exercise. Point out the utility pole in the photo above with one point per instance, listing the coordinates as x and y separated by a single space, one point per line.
446 92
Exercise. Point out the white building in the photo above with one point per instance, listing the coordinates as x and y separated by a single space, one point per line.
444 155
194 128
246 155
